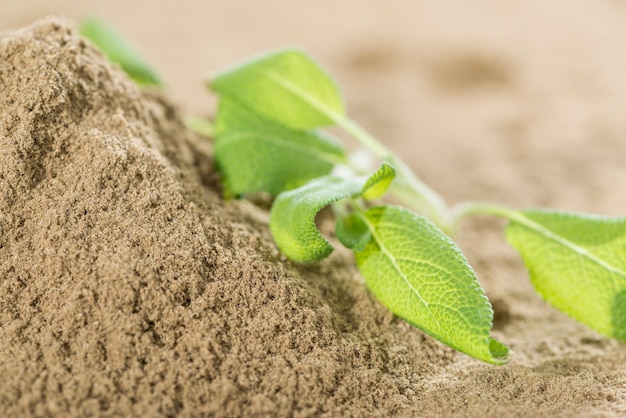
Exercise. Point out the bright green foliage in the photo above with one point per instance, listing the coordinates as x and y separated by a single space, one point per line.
379 182
292 219
286 86
352 231
577 263
419 274
267 139
119 51
255 154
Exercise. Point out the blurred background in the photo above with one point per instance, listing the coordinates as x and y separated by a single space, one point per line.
520 102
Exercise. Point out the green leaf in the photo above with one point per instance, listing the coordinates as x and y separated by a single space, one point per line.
286 86
119 51
419 274
577 262
378 184
292 218
256 155
352 232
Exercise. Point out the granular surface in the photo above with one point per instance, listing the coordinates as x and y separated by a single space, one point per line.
128 287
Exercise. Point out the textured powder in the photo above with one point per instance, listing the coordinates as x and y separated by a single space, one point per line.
129 288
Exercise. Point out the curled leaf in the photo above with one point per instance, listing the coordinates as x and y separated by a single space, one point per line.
292 219
378 183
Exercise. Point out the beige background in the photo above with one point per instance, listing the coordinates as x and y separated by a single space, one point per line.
517 102
451 78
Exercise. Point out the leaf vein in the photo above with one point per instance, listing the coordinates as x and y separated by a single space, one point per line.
395 265
231 138
524 221
302 94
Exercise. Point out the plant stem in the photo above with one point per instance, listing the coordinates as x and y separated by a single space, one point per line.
200 125
364 137
407 187
465 209
415 193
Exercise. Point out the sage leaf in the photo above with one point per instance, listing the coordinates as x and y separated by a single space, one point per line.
379 182
420 275
352 232
350 229
576 263
119 50
292 218
255 154
286 86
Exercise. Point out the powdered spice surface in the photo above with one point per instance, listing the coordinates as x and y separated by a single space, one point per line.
129 288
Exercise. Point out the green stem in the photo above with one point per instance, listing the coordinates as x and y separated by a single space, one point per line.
407 187
458 212
364 137
200 125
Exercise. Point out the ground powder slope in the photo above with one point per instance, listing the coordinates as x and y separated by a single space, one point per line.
129 288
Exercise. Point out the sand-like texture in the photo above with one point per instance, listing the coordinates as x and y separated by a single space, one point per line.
129 288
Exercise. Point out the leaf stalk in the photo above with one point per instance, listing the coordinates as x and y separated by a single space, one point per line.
407 187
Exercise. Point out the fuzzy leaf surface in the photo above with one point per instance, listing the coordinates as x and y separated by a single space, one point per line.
286 86
420 275
577 262
119 51
378 184
352 232
255 154
292 218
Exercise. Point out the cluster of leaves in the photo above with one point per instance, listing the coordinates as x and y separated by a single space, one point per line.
269 138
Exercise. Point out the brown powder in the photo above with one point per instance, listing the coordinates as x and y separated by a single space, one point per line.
129 288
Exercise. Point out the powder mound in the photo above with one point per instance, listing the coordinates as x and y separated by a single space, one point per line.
128 288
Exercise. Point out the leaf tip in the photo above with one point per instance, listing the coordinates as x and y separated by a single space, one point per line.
500 353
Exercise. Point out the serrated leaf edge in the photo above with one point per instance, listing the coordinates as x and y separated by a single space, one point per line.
489 341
